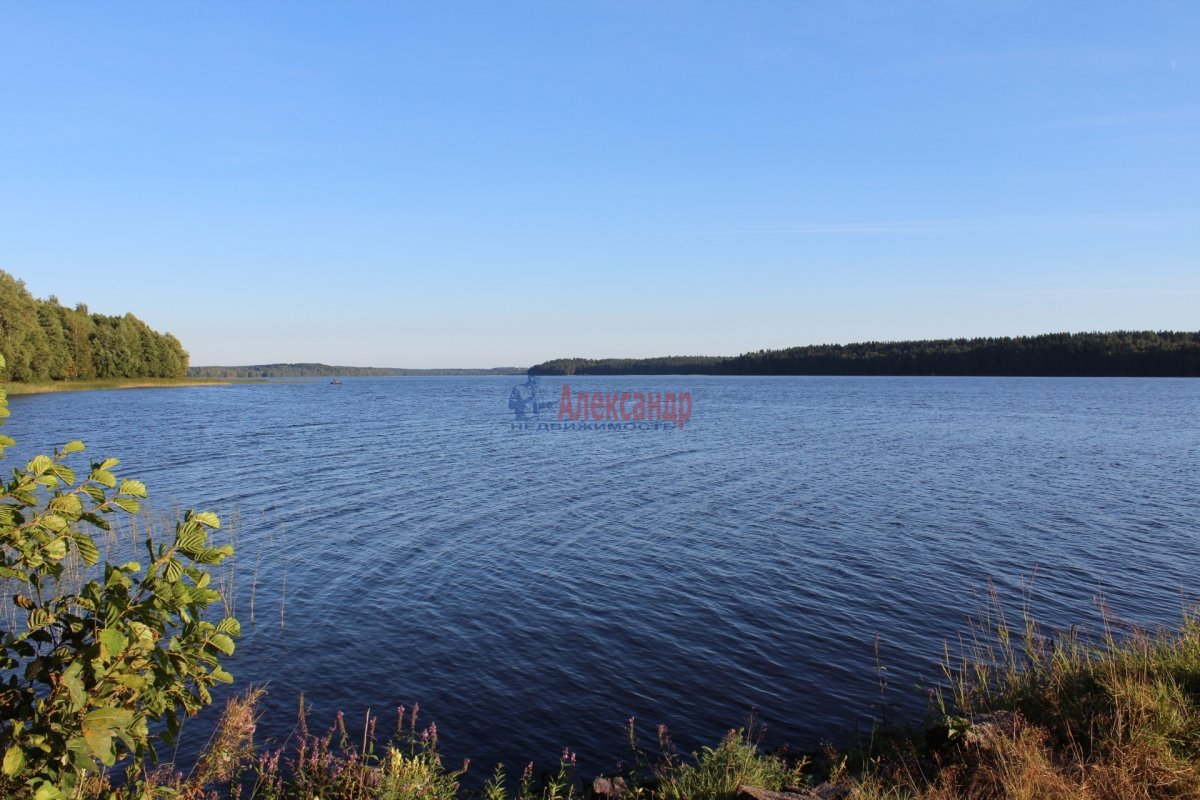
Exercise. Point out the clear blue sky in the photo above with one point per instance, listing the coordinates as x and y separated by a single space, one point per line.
497 183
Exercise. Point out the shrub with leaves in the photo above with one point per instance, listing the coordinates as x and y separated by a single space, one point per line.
91 664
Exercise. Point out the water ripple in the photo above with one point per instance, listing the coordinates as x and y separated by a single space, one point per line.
534 590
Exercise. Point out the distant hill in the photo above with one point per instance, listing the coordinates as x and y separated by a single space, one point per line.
327 371
1119 353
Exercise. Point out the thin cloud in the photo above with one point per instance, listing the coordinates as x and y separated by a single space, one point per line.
982 224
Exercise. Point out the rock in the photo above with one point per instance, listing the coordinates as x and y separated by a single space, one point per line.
791 793
985 729
827 791
978 732
609 788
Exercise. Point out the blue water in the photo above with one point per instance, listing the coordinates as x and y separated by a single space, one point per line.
533 590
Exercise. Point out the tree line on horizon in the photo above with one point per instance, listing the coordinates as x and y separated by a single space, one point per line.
1115 354
42 340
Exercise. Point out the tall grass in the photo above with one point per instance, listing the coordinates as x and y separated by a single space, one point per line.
715 773
1024 714
1115 715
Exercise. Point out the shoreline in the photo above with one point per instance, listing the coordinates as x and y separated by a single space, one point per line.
16 388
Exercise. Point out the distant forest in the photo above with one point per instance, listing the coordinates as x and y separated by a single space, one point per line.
1120 353
327 371
44 341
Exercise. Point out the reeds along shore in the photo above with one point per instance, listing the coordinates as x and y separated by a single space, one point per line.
1020 714
13 388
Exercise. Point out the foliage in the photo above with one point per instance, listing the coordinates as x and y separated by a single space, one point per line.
93 662
336 766
719 771
1064 717
42 340
1119 353
664 365
1112 716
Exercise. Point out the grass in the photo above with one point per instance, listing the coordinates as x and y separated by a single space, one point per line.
1021 715
44 387
717 772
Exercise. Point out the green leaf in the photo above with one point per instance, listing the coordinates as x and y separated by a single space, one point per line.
94 519
87 549
112 642
126 504
67 504
133 488
99 742
14 761
213 555
53 522
72 678
74 446
109 463
99 726
174 570
104 477
191 540
39 464
48 791
144 635
23 496
40 618
63 473
223 643
131 680
55 549
207 519
81 756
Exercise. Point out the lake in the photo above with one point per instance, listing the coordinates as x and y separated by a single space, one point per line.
533 589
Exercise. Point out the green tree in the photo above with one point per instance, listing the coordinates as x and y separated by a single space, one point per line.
86 670
175 358
80 331
59 364
22 340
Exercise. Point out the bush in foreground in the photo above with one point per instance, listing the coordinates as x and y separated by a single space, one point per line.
92 655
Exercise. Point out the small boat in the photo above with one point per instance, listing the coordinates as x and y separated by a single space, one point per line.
335 382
